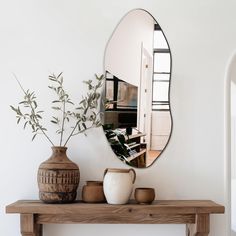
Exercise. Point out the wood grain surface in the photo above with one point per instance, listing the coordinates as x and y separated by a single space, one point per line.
157 207
194 213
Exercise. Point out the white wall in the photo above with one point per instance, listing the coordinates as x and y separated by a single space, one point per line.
38 37
233 197
233 129
232 72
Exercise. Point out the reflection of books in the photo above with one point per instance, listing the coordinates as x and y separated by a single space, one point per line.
132 152
135 154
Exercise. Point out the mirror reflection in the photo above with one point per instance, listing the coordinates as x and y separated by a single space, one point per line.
137 116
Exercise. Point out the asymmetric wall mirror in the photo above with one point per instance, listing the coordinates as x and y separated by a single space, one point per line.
137 116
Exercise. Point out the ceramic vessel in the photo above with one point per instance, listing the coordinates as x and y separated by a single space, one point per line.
144 195
92 192
58 178
118 185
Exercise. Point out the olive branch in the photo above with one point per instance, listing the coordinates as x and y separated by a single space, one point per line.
84 116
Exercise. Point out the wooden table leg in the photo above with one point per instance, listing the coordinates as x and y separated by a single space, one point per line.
201 226
29 227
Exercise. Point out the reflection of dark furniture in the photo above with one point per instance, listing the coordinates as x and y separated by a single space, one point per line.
126 119
121 119
127 147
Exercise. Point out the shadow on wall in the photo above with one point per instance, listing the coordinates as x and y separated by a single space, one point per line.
233 233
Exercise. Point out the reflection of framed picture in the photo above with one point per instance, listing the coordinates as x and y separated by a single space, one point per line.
121 94
127 95
121 103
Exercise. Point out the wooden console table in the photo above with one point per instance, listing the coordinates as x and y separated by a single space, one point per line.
195 214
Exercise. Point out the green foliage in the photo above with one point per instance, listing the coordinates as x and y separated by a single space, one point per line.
84 116
117 142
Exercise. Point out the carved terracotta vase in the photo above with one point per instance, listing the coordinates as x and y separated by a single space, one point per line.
58 178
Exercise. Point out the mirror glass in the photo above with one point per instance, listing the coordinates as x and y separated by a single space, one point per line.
137 118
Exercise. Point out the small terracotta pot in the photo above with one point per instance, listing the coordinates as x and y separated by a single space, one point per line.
92 192
144 195
94 183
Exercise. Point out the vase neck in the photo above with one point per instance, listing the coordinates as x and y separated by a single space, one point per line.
59 149
59 154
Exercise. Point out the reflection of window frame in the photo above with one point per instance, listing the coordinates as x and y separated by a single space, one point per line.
156 51
116 82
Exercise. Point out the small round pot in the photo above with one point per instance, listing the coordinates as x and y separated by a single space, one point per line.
144 195
92 192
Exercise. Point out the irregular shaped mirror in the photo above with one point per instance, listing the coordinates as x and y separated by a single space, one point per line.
137 116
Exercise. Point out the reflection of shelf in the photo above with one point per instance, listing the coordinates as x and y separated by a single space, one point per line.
133 136
138 157
138 154
133 145
130 148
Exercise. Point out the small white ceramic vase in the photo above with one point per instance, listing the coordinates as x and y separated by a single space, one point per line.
118 185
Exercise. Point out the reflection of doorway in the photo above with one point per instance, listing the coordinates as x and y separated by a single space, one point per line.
145 97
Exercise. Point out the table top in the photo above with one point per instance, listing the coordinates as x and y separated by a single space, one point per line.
157 207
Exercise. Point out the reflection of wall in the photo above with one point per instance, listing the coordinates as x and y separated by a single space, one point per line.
123 54
161 127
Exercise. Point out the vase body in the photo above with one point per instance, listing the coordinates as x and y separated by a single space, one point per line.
58 178
118 185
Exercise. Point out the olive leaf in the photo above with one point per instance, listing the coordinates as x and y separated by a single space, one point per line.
84 115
